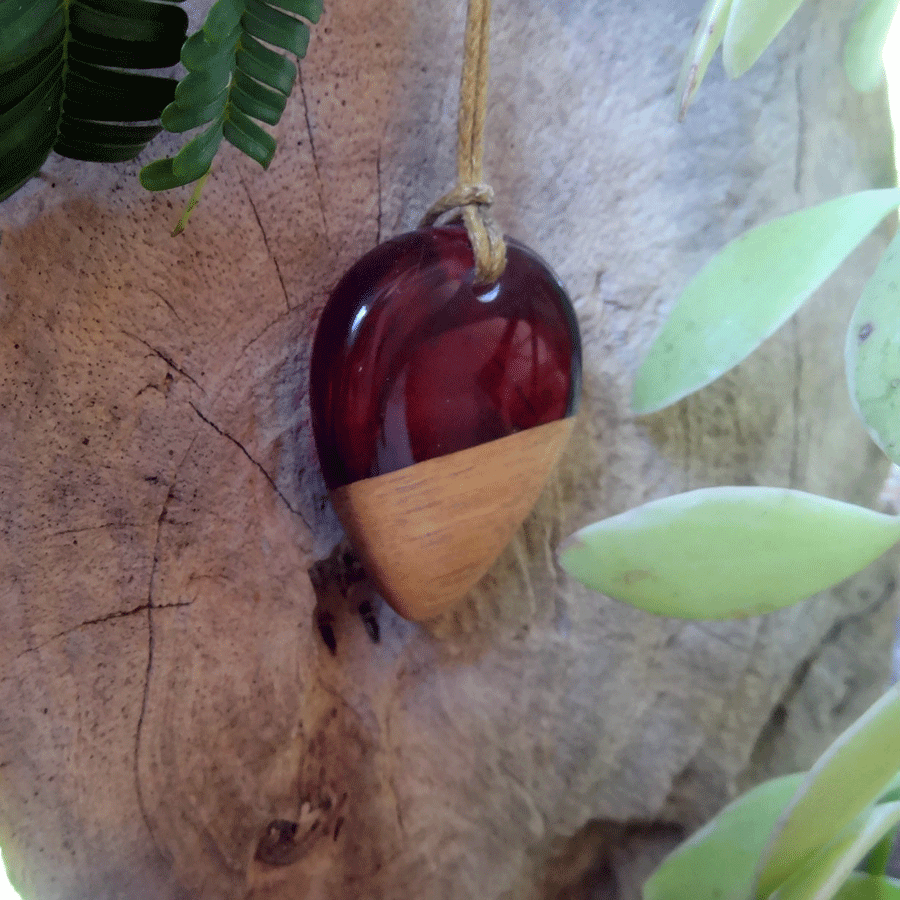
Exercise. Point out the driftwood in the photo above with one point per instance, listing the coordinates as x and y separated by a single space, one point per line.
172 724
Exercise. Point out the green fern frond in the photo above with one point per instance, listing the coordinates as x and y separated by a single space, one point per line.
66 84
234 81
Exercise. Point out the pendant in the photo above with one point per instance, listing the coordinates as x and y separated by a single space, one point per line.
440 408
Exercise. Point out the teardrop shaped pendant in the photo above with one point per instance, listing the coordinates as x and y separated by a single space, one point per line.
439 408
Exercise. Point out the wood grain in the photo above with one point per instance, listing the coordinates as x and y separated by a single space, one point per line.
427 533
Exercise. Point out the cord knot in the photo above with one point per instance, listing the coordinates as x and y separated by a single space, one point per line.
472 204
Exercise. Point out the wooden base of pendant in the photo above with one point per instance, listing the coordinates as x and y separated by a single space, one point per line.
427 533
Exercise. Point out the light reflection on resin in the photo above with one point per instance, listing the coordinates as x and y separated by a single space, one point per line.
410 362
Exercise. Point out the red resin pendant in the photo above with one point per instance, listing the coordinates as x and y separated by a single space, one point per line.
440 408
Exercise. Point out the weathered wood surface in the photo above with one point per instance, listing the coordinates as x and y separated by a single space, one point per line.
164 695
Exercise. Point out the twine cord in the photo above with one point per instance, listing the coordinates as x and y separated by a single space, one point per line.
471 199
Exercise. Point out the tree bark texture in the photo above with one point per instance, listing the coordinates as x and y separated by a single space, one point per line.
166 705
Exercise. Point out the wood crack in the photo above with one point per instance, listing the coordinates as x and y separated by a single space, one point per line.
100 620
160 296
258 465
149 671
277 321
166 359
320 189
265 238
85 528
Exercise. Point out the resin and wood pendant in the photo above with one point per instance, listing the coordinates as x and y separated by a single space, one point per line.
439 409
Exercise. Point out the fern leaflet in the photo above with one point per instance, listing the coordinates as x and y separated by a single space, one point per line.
234 81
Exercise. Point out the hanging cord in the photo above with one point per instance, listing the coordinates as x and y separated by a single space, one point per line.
472 198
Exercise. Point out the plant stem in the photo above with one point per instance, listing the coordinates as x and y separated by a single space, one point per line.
195 199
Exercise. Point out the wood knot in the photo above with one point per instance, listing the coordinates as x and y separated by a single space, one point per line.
287 840
278 846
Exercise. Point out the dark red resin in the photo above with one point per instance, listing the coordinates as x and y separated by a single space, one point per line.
411 362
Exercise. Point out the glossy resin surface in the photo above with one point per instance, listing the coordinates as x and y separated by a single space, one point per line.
411 362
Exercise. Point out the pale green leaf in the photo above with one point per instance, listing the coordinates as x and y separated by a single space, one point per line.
752 26
707 36
872 353
855 770
865 887
748 290
727 552
865 44
822 878
719 861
